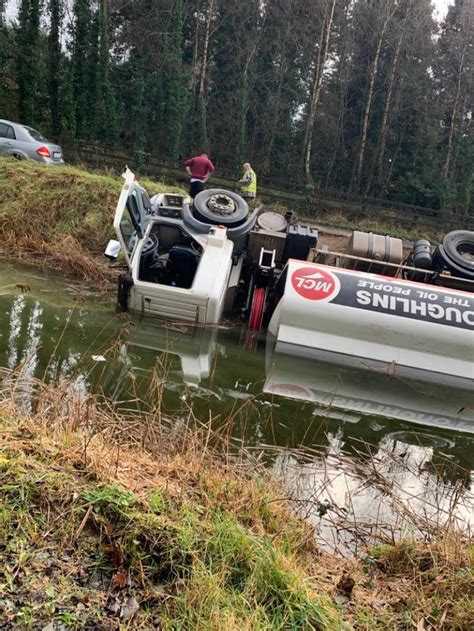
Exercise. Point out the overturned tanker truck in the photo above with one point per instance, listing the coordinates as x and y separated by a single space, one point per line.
376 305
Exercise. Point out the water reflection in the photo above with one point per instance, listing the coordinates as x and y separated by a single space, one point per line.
389 493
272 400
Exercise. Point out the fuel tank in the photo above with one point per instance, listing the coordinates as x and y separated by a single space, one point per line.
369 321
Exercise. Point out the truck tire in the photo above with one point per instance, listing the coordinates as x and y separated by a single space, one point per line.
442 262
459 248
217 206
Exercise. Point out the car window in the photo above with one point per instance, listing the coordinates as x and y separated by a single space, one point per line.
11 133
35 134
3 130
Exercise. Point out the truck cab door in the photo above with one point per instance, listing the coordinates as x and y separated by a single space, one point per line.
131 216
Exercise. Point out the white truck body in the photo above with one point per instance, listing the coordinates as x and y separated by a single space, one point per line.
203 301
372 321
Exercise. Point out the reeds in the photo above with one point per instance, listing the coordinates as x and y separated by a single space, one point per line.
162 519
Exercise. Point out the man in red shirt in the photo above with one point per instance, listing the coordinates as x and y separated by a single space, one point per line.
199 169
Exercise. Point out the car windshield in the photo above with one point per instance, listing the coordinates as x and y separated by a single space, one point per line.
36 135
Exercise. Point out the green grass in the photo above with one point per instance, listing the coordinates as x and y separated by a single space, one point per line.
62 214
95 527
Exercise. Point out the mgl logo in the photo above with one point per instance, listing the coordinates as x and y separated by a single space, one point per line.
315 283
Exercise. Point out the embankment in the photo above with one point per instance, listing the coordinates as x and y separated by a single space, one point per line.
59 217
113 522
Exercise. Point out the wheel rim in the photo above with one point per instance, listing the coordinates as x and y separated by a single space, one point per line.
466 251
221 205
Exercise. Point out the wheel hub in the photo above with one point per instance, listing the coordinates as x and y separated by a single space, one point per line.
466 250
221 205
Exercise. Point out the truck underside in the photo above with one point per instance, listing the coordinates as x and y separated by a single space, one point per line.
377 305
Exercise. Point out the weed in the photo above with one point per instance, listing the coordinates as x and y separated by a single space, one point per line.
191 540
108 496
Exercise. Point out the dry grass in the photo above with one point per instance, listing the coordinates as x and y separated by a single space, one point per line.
104 513
196 541
60 216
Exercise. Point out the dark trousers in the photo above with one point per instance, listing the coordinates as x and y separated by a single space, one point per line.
195 188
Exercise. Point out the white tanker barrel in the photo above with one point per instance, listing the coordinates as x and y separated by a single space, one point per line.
376 321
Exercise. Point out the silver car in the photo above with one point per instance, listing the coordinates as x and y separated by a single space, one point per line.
26 143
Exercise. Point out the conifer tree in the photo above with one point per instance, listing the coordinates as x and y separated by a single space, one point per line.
82 77
55 64
106 123
174 87
28 59
3 52
66 100
139 110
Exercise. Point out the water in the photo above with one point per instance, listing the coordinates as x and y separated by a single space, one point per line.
419 436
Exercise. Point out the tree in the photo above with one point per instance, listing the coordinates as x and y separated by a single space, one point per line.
28 59
232 79
106 111
456 65
55 64
321 52
380 21
4 54
174 86
83 78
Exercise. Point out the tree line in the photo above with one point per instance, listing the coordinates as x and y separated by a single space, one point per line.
369 96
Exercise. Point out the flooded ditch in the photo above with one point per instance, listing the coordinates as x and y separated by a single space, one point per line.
357 451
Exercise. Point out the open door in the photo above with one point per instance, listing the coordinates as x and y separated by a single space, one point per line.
132 215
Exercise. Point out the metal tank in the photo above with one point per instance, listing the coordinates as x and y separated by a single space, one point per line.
371 321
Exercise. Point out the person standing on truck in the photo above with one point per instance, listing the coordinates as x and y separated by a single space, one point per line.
199 169
248 183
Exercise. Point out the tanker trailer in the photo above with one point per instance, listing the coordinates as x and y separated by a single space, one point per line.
400 327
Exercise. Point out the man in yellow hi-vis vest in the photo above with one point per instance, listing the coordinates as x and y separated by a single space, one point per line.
248 183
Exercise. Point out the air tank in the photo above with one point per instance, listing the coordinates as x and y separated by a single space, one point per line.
422 258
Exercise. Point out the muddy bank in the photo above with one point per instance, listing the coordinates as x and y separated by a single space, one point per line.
149 522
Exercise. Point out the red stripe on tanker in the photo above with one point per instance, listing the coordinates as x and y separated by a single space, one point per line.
371 292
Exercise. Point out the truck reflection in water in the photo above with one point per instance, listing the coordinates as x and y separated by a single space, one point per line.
351 441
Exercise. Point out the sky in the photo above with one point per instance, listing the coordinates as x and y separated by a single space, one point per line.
441 7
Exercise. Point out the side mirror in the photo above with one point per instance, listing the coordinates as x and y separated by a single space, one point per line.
112 250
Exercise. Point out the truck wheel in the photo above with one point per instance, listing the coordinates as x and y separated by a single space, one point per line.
217 206
442 262
459 247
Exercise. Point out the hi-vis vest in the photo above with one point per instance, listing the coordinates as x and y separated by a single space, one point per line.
250 187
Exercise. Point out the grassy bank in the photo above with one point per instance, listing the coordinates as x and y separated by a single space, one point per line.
60 216
138 522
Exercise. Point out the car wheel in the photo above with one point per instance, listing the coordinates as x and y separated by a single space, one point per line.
217 206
